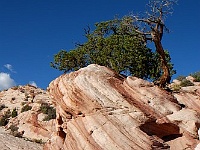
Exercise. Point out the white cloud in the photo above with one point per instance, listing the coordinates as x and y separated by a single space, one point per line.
9 67
33 83
6 81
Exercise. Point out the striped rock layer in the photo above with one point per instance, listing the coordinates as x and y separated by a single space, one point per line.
98 109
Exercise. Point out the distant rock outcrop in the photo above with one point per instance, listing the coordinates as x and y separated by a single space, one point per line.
24 118
99 109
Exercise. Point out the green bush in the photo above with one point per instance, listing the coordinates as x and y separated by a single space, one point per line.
14 131
181 78
5 119
26 108
17 134
176 88
13 128
2 106
39 141
44 108
14 113
23 103
186 82
49 110
196 76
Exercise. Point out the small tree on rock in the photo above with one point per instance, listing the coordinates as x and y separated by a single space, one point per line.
120 44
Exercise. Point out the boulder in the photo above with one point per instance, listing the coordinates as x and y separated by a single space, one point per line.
99 109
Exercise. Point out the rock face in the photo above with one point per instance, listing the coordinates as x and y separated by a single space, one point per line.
99 109
9 142
28 122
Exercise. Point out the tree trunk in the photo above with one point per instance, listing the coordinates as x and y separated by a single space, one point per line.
165 78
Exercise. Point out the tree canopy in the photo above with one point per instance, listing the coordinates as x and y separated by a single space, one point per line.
117 45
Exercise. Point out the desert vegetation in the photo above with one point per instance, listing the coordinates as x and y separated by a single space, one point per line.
121 44
196 76
26 108
49 111
5 118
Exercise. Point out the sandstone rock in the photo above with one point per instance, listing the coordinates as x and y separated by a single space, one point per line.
9 142
190 78
30 122
197 147
189 97
99 109
175 81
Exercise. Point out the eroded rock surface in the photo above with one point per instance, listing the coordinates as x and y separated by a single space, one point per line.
99 109
9 142
30 122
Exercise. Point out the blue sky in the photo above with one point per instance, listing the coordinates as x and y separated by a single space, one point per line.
32 31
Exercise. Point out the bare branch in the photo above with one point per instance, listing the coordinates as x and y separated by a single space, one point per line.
156 14
87 30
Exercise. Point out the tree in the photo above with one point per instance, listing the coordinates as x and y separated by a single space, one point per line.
152 27
116 45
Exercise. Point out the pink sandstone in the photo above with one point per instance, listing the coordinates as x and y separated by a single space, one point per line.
99 109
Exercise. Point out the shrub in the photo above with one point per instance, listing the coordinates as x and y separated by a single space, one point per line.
13 128
196 76
4 121
2 106
5 118
39 141
186 82
23 103
14 87
26 108
26 98
22 90
44 108
14 131
49 110
51 115
17 134
180 78
14 113
176 88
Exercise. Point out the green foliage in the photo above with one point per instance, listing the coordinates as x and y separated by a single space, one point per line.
2 106
5 118
176 88
186 82
157 72
23 103
15 132
44 108
4 121
49 110
14 113
196 76
39 141
13 128
180 78
116 45
26 108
